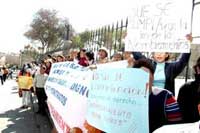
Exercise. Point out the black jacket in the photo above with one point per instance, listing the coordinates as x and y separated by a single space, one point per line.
188 99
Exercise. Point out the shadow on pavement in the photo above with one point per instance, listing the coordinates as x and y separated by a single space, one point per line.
14 92
24 121
15 88
19 121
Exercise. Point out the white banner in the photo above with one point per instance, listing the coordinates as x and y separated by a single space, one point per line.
180 128
67 90
159 26
115 64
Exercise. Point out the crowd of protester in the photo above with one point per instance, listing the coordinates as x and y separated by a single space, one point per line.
163 107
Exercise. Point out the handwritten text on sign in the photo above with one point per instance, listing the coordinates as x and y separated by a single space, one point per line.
118 101
159 26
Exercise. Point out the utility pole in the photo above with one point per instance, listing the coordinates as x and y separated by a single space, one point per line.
68 31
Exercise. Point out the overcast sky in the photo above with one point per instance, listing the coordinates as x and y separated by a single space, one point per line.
83 14
16 15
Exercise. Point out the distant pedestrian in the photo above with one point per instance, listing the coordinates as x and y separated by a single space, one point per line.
10 74
5 73
1 76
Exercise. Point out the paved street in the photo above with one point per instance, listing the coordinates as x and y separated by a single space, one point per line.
16 120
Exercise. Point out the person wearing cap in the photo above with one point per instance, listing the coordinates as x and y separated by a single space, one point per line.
103 55
189 97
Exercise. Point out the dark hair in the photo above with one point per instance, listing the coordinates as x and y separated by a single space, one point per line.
49 56
90 55
84 50
43 66
29 65
168 57
23 69
54 59
144 63
78 56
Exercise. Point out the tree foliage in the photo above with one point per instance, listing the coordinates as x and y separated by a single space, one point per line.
31 52
76 42
79 40
85 36
48 30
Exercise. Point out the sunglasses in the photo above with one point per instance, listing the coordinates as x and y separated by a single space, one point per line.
44 68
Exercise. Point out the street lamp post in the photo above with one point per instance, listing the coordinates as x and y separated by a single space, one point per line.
21 58
68 31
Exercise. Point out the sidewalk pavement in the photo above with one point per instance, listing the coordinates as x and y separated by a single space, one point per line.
16 120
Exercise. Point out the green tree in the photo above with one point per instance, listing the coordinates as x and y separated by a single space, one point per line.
80 40
85 36
76 42
31 52
47 30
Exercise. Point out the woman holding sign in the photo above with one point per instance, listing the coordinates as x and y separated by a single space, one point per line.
166 72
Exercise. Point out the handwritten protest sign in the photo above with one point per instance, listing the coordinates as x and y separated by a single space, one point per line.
118 100
67 90
25 82
159 26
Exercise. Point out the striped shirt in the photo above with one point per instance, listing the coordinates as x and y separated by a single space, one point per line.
163 109
172 109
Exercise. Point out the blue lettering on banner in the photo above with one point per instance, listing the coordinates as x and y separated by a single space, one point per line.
82 90
59 72
57 94
57 81
66 65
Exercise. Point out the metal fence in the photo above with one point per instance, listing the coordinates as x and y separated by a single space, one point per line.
110 36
